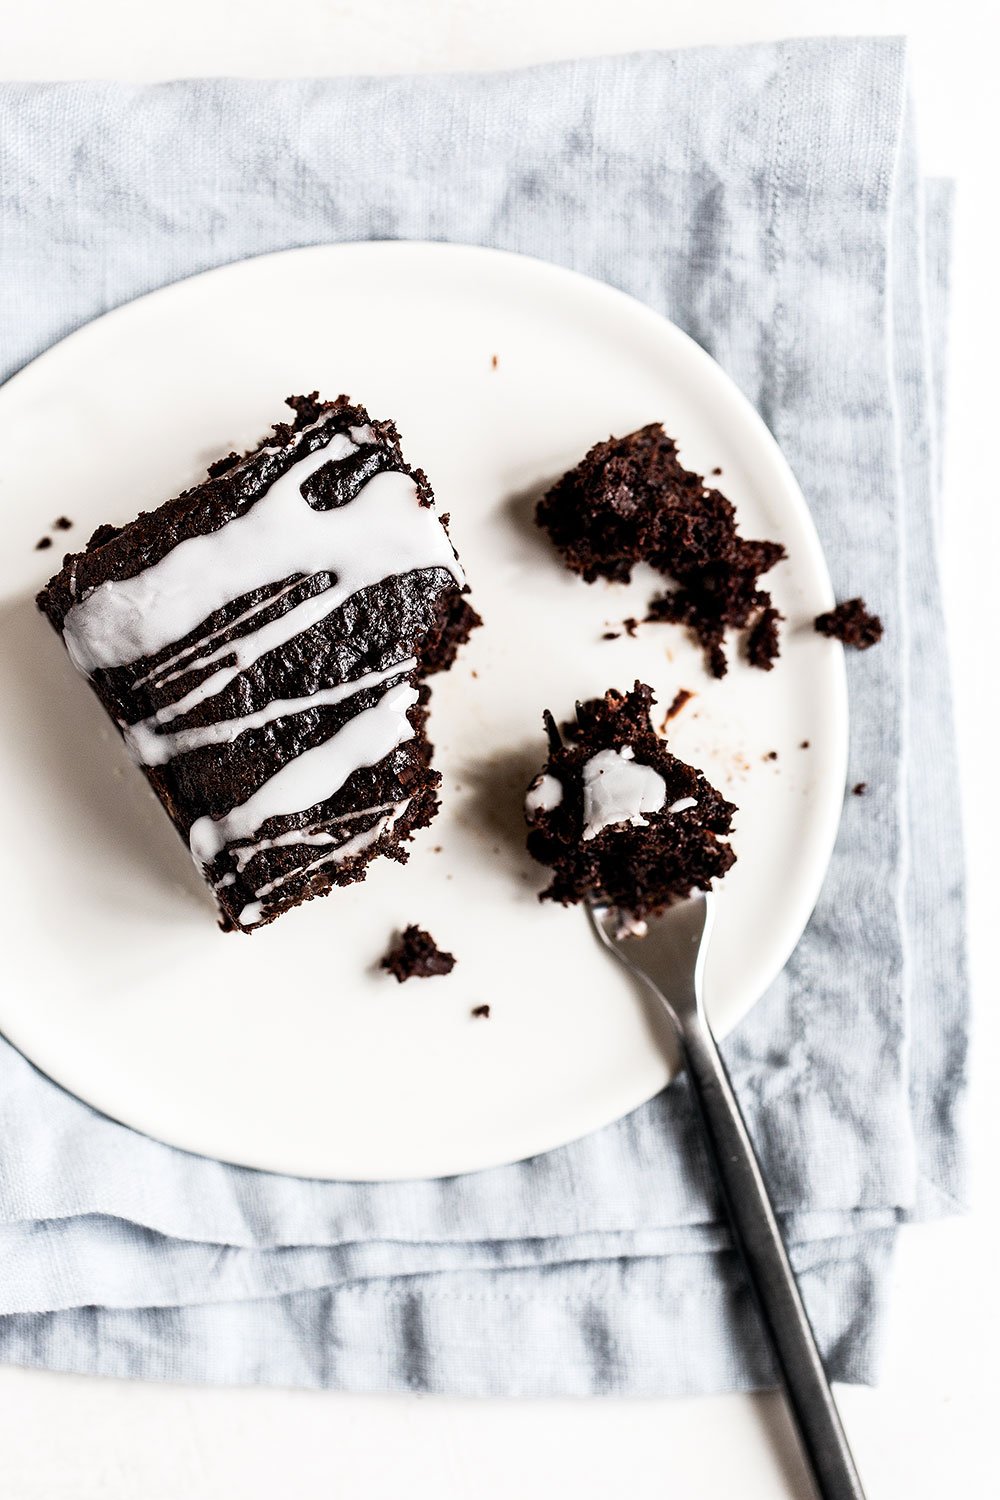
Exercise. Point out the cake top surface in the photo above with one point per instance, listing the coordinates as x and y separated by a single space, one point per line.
259 640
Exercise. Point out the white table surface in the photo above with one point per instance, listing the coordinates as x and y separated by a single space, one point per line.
929 1429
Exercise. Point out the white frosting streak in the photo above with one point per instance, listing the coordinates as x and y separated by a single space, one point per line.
244 853
544 793
383 532
682 804
313 776
617 789
254 910
153 748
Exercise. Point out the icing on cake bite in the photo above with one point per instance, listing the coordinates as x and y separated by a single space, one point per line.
630 825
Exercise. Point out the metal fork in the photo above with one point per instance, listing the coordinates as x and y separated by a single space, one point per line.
669 961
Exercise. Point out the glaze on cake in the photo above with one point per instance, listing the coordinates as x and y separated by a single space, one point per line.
262 643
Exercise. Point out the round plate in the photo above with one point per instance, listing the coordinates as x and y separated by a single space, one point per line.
290 1050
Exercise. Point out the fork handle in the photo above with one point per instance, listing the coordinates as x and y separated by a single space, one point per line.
758 1238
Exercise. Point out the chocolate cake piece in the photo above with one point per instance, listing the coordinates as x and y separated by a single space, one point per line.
851 623
615 816
415 955
632 500
261 642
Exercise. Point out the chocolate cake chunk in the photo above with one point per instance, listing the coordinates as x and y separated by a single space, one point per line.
615 816
852 623
262 641
415 955
631 500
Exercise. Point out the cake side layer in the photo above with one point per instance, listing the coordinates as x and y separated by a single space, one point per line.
260 643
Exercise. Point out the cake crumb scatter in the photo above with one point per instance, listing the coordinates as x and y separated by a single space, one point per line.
415 955
852 623
481 1010
681 698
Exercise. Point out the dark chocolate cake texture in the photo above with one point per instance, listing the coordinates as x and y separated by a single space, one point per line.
631 500
415 955
618 818
262 642
852 623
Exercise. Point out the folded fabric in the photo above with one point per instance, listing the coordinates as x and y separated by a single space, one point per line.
768 199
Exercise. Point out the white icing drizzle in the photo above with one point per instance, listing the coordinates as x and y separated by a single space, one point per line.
253 911
617 789
162 674
682 804
544 793
243 854
337 448
383 532
313 776
152 748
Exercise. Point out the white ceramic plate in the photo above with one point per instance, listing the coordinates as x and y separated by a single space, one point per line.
289 1050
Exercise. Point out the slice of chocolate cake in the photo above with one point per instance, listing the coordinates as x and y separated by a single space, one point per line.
261 642
631 500
616 817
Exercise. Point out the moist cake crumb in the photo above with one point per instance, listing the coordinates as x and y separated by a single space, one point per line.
852 623
62 523
631 625
682 697
771 755
859 788
616 816
415 955
481 1010
42 543
804 745
631 500
763 646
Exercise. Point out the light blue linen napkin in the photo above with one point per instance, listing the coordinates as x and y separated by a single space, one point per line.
767 199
